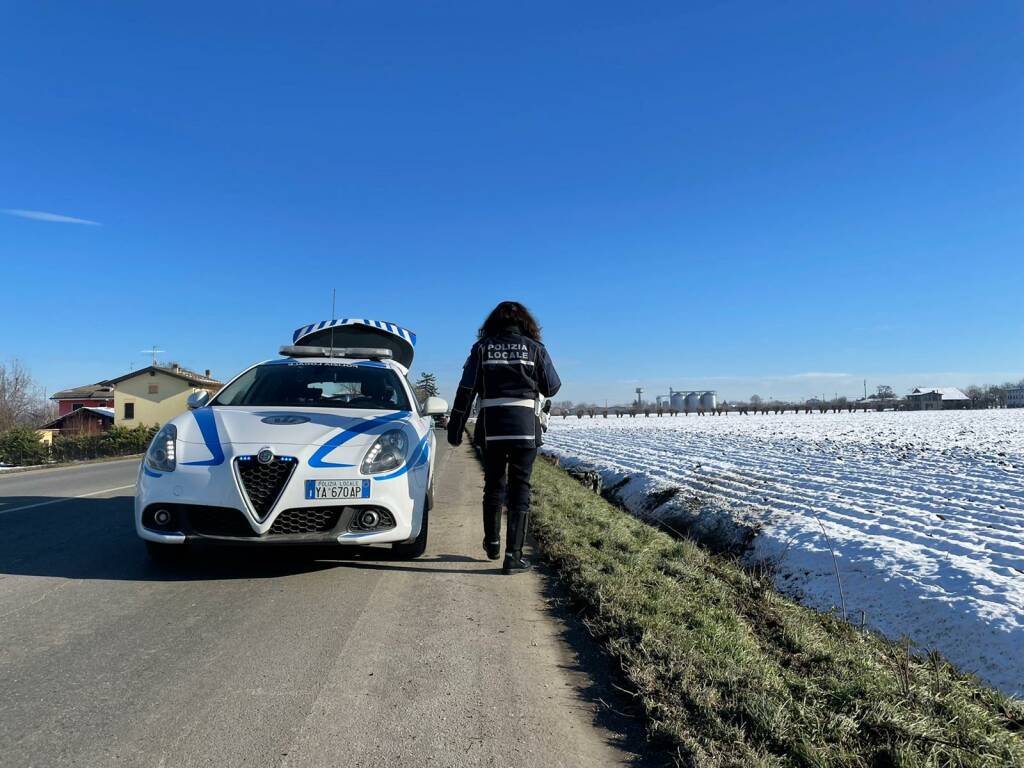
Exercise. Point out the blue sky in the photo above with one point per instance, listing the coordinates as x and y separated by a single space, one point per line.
781 198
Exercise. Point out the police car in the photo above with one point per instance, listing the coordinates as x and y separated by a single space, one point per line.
326 444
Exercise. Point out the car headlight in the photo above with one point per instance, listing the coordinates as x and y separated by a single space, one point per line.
387 452
162 452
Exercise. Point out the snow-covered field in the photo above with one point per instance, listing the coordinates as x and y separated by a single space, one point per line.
925 511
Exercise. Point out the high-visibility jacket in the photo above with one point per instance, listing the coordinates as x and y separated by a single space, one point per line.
510 373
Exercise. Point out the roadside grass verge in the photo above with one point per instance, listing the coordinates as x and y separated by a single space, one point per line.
731 673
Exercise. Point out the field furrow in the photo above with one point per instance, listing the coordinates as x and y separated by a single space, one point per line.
925 511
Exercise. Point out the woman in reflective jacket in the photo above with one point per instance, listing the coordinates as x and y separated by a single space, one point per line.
510 370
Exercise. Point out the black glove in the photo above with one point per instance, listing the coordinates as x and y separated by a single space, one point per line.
454 433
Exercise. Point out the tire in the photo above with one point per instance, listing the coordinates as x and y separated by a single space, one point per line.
166 554
413 549
430 496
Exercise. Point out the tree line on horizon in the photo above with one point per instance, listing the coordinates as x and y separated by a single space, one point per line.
982 396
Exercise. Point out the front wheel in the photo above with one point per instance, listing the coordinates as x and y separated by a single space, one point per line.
409 550
166 554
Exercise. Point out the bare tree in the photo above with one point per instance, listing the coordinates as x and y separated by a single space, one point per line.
976 393
996 394
990 395
756 400
21 399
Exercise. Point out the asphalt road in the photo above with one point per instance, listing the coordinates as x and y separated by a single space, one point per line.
283 657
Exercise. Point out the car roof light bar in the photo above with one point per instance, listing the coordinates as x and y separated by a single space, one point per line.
363 353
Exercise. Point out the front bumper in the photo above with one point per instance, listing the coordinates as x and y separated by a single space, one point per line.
207 503
312 525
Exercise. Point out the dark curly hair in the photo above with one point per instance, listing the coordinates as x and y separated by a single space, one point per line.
510 314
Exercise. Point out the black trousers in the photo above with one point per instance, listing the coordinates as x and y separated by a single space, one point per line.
507 473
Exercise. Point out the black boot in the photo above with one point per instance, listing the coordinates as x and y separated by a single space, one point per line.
514 563
493 549
492 525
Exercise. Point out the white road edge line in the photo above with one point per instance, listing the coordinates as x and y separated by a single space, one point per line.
68 498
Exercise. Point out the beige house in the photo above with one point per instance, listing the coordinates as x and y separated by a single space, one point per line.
156 394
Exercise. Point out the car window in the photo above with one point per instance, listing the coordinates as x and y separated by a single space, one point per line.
417 395
317 385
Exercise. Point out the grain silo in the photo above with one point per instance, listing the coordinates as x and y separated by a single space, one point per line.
693 401
678 401
709 401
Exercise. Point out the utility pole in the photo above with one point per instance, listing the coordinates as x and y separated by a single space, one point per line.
865 389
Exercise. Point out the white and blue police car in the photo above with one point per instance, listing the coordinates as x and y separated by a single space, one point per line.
327 444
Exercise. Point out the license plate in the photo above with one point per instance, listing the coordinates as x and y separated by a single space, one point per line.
337 489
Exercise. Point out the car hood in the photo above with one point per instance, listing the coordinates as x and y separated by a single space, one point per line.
285 426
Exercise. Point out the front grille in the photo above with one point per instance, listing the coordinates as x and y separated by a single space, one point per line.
263 483
218 521
306 520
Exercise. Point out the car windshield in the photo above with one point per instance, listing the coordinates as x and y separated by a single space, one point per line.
317 385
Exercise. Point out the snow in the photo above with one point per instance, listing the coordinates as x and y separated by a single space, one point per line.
925 511
948 393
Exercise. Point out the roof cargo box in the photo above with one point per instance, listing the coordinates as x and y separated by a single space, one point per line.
360 333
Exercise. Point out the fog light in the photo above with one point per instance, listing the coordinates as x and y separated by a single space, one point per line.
369 519
161 517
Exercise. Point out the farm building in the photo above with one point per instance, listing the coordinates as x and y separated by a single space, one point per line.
1015 397
937 399
84 420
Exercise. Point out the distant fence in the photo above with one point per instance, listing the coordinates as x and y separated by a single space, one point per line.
725 410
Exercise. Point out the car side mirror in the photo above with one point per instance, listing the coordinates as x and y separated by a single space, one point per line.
436 406
198 399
